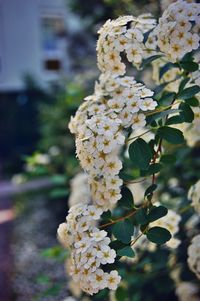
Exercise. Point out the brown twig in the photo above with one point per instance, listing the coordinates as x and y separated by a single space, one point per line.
118 220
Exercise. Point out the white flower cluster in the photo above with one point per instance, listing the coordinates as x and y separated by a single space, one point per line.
194 195
125 35
80 190
178 29
89 249
118 103
187 291
194 255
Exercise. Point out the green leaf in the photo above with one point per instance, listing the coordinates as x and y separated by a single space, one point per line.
183 83
189 92
123 231
158 235
125 177
156 213
162 114
126 251
186 113
150 189
168 98
106 215
193 102
171 135
174 120
189 66
126 200
116 244
168 159
140 153
154 168
141 216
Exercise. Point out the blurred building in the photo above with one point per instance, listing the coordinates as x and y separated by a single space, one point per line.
33 41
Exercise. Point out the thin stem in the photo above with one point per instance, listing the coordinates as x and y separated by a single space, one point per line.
162 109
118 220
136 239
134 182
186 208
129 139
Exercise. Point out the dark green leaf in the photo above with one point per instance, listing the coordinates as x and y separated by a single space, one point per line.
150 189
156 213
171 135
141 216
123 231
189 66
140 153
116 244
158 235
162 114
106 215
126 251
154 168
186 112
183 83
193 102
168 98
189 92
126 200
174 120
125 176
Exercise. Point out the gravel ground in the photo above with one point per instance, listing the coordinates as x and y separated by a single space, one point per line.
36 277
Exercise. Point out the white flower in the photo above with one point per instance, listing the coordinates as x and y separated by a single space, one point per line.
138 121
98 279
147 104
106 255
193 256
194 195
187 291
134 54
113 280
175 32
98 235
94 212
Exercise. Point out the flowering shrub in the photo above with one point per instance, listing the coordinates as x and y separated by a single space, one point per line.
106 124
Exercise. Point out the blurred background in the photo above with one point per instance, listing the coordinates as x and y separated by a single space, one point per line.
47 66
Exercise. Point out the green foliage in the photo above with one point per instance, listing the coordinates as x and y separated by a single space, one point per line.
126 200
140 153
189 92
126 251
158 235
170 134
123 231
156 213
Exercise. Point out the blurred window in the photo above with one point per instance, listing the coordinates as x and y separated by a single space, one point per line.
53 42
